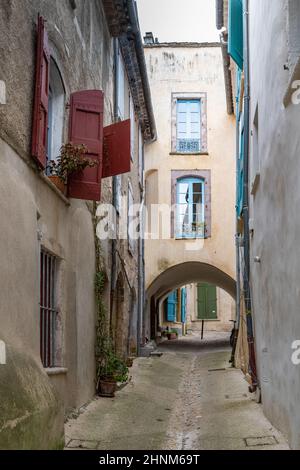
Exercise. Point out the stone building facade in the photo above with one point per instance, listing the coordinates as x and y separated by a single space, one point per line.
192 158
75 62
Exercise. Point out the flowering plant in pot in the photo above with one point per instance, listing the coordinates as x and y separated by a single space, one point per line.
72 159
111 370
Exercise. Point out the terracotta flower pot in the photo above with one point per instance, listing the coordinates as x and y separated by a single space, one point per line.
107 388
172 336
58 182
129 362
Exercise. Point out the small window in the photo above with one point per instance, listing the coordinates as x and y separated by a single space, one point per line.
56 110
48 309
188 126
190 212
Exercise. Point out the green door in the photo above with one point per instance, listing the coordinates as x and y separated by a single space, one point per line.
207 302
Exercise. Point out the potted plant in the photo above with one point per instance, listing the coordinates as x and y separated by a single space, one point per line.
111 370
172 334
72 159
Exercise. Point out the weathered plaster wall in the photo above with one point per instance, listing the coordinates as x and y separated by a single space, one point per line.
191 70
82 47
275 214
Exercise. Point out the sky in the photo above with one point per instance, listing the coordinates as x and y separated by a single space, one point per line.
179 20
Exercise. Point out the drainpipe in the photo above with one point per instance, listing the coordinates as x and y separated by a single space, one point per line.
114 194
247 292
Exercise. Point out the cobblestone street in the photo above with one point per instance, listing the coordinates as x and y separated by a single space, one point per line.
189 398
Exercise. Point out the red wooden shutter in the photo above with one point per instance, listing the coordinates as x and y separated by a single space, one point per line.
86 127
116 155
40 110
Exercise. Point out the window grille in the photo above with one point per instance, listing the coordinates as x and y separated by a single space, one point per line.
48 308
188 145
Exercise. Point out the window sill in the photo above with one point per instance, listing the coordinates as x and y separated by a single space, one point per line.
56 370
55 189
189 153
190 238
206 319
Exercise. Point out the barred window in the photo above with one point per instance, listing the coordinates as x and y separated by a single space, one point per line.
48 308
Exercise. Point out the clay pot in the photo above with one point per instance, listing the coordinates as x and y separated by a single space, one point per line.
107 388
172 336
129 362
59 183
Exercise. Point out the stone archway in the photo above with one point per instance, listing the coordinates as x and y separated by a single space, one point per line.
177 276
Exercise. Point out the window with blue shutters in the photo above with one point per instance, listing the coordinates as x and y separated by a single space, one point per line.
190 208
188 126
235 31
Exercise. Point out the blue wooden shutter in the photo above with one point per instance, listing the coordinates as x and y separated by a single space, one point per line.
172 307
235 31
183 304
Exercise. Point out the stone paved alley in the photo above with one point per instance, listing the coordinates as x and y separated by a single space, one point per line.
189 398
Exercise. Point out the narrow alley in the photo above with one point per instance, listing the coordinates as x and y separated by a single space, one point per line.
149 242
189 398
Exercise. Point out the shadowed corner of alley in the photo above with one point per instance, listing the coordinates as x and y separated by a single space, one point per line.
190 398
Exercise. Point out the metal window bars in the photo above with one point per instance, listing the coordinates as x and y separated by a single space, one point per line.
188 145
48 309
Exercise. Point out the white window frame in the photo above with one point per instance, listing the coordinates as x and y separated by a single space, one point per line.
56 114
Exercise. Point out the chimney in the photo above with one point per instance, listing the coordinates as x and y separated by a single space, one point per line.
148 38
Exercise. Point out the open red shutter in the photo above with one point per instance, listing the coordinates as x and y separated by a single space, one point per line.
40 110
116 154
86 127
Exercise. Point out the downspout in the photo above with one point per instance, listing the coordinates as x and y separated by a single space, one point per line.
139 47
247 292
237 245
114 194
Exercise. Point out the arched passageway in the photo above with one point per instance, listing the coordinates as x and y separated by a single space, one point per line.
176 277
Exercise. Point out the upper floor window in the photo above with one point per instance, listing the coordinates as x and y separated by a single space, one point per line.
188 126
189 123
190 208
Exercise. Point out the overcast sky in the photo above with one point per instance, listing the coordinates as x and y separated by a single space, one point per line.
179 20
